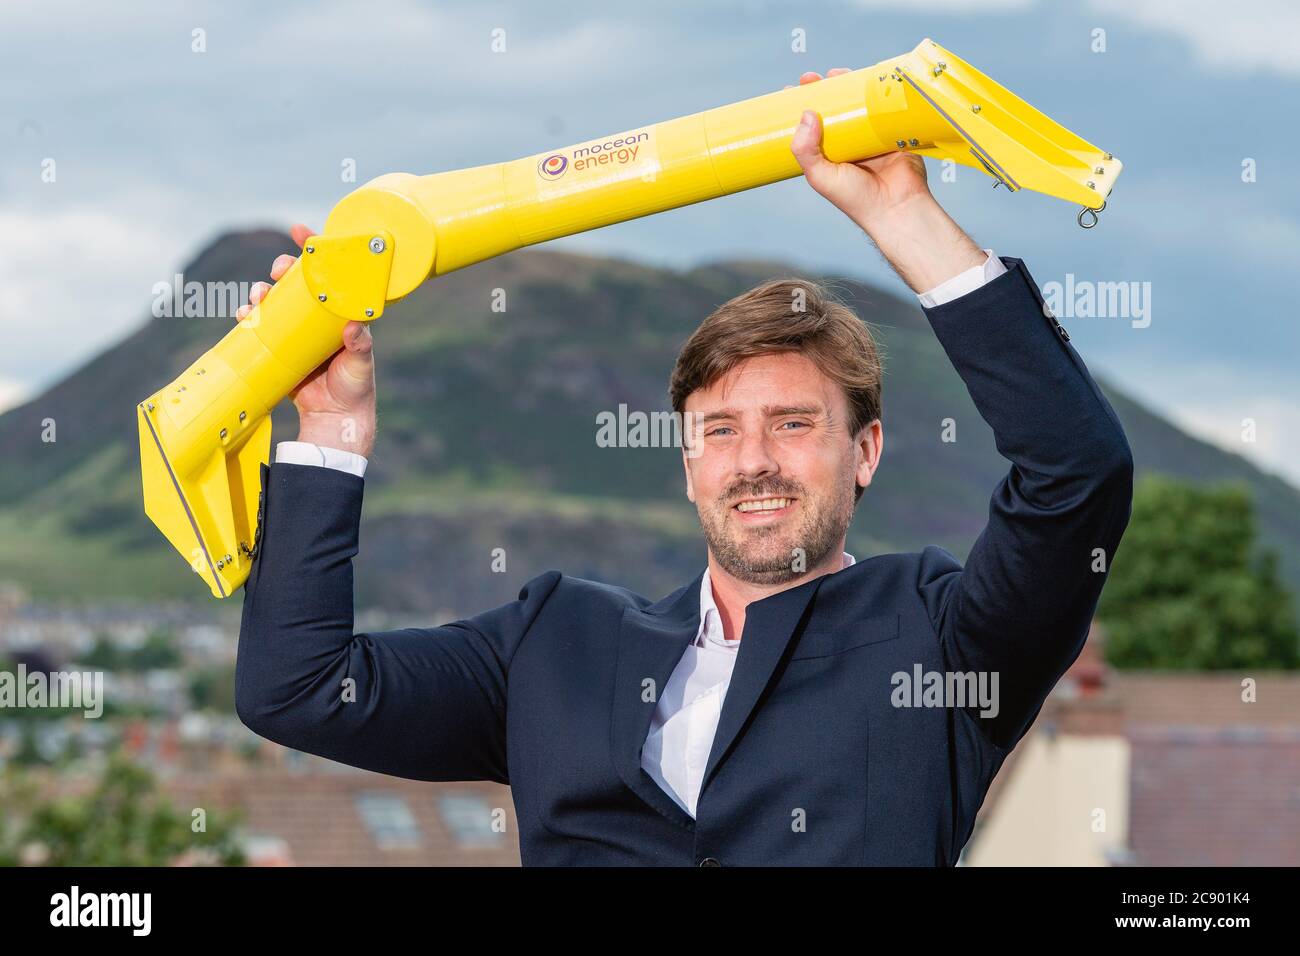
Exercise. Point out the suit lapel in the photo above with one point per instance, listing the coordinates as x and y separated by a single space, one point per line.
651 642
769 625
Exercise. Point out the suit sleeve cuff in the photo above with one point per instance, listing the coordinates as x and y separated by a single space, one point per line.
306 453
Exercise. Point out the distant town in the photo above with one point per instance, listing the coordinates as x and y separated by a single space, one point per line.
168 676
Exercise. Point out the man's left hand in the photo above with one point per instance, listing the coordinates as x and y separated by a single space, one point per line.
889 198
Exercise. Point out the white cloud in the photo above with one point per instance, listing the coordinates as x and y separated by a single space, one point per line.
947 6
1274 424
12 392
422 48
1245 36
1212 401
1255 234
72 283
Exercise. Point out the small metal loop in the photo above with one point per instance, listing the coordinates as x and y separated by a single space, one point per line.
1087 211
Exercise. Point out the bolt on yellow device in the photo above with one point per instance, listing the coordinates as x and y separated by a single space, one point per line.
204 437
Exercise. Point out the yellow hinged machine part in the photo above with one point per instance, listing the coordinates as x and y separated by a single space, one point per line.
204 437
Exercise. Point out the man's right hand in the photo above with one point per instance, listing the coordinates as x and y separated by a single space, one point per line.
336 402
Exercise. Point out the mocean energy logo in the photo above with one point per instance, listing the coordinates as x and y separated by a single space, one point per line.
619 151
553 166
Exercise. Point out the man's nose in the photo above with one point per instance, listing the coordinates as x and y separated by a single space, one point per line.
754 457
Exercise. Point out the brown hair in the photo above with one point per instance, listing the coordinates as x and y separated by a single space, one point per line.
785 315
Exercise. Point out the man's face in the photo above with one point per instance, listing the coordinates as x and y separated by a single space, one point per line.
774 475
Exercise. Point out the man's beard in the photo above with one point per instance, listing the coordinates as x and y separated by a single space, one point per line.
770 554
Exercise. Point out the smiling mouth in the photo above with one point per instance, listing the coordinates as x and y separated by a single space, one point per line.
757 506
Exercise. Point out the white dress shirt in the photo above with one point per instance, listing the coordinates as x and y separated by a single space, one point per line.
305 453
964 282
686 715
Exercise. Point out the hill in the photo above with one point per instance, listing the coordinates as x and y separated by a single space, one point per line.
488 439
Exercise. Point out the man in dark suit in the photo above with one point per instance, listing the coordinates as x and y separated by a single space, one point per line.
791 705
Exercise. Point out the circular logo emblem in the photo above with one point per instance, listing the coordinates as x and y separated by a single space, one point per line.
553 166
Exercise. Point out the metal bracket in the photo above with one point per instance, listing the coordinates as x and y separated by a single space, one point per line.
997 176
991 167
349 274
252 552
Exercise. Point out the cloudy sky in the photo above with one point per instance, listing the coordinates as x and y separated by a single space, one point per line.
157 148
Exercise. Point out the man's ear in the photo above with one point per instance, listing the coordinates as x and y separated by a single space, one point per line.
870 446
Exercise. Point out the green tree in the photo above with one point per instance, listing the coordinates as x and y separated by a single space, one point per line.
123 822
213 688
103 655
28 753
1191 590
16 790
158 652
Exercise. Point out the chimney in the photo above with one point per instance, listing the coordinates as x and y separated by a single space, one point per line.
1088 673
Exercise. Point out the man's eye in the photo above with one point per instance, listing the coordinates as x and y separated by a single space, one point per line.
795 424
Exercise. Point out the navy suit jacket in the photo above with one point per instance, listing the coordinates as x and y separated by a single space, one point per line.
813 762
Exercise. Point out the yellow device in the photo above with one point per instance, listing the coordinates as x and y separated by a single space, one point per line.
204 437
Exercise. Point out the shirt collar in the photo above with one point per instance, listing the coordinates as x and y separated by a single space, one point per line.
711 620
